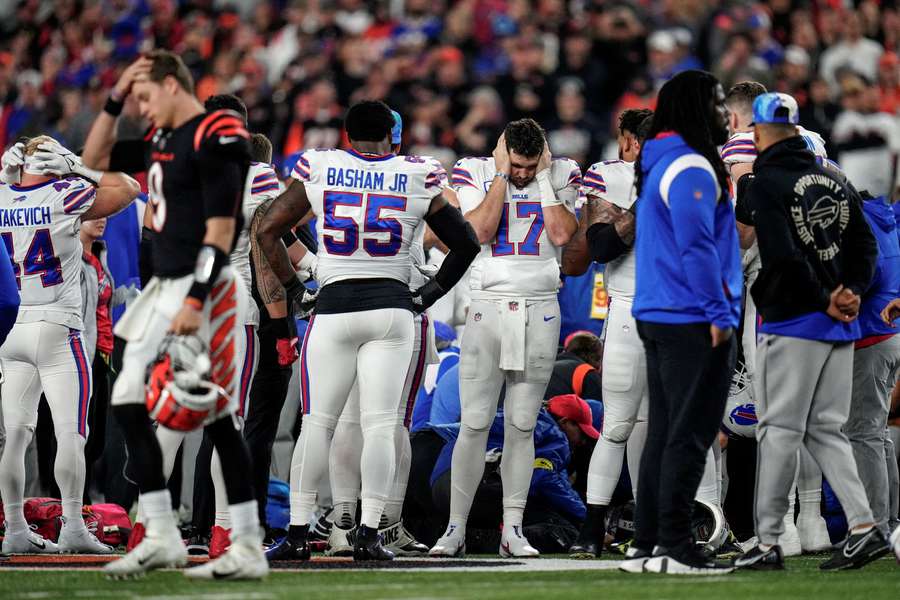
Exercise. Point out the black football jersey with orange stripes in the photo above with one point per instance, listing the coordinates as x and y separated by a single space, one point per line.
185 184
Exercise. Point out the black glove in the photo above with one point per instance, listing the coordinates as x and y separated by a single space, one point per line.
427 295
303 301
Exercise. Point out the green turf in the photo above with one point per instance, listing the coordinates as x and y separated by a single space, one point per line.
801 580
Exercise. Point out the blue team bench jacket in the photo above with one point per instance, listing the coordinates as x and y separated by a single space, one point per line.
688 258
885 285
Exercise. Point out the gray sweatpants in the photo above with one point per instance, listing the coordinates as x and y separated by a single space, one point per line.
803 397
873 379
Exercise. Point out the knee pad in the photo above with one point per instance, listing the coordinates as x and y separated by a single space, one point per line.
477 418
323 421
617 432
383 422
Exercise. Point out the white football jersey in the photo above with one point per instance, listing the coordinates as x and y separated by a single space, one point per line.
613 181
261 184
369 209
740 147
520 261
39 225
417 247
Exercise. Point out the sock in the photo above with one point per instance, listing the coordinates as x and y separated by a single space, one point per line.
861 529
157 510
512 516
244 519
15 518
344 515
393 510
371 512
223 517
298 533
765 547
595 523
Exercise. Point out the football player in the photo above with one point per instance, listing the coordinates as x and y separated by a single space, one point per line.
608 228
521 203
345 457
370 203
196 164
43 202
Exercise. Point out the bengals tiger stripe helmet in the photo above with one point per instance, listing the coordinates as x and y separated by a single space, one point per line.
180 395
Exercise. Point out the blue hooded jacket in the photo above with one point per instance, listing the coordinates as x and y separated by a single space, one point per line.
885 285
549 480
688 258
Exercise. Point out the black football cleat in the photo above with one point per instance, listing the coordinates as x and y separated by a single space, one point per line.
585 550
758 559
368 545
294 547
857 551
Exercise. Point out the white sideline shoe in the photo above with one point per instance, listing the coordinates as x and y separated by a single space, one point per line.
28 542
162 550
451 545
514 544
245 559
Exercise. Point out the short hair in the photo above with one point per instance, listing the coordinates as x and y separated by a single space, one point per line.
32 144
227 102
741 95
644 128
630 120
369 121
169 64
778 130
525 137
586 346
260 148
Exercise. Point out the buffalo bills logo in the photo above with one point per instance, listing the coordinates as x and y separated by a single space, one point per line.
513 306
744 415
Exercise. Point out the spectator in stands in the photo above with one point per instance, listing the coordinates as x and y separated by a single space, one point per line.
853 50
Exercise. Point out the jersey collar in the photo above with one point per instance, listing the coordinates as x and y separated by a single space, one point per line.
371 157
28 188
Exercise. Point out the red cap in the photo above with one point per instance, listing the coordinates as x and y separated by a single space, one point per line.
888 59
570 406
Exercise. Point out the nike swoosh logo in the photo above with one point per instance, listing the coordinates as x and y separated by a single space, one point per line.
218 575
42 545
855 548
550 318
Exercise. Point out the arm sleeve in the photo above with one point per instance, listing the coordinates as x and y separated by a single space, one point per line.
860 249
604 242
9 295
128 156
692 199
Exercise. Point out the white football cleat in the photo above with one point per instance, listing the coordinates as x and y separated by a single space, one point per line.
28 542
895 543
635 559
340 542
78 540
451 545
244 559
401 542
813 533
158 550
515 545
790 539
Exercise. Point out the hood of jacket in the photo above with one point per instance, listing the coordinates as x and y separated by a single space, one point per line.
792 154
879 214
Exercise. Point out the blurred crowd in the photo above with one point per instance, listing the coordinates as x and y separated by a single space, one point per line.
457 71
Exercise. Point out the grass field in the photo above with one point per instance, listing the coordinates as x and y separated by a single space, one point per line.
801 580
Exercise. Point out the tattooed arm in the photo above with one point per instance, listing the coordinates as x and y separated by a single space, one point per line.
267 284
282 214
575 256
610 232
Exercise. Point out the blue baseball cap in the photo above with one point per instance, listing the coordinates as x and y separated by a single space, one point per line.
397 131
775 107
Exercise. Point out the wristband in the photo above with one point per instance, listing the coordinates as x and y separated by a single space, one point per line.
308 264
545 186
295 290
503 175
113 107
210 261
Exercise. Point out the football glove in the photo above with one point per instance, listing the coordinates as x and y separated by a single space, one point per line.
426 295
11 164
